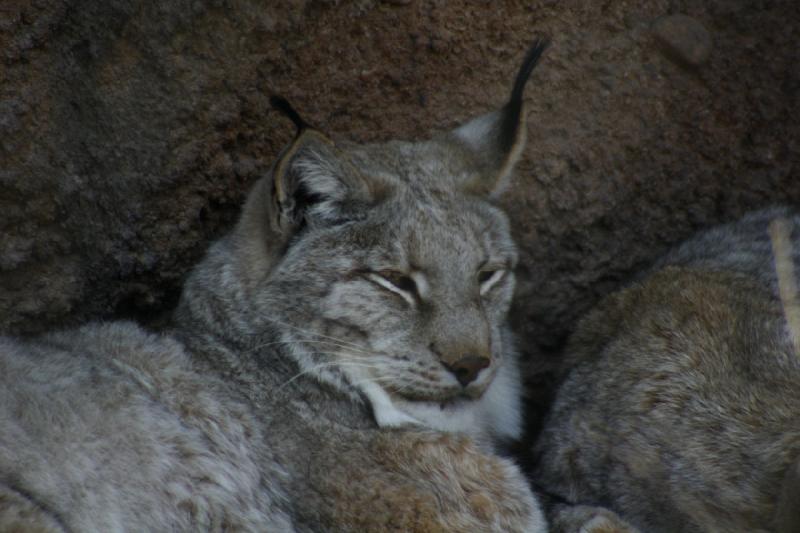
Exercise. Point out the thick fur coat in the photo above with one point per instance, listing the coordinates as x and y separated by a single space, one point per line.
339 362
681 408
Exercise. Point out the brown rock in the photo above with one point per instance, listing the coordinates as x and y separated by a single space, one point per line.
684 39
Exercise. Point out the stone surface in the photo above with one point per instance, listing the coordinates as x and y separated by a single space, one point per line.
130 132
684 39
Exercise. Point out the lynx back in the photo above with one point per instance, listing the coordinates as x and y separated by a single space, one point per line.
681 410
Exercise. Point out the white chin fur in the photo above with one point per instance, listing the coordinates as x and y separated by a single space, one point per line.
385 412
495 415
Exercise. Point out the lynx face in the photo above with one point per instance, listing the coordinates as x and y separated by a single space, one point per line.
410 294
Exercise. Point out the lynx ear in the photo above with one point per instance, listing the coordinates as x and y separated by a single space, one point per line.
496 139
313 182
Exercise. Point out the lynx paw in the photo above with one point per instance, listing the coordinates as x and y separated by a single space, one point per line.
588 519
473 491
606 524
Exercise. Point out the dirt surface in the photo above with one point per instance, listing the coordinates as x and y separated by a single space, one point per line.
130 132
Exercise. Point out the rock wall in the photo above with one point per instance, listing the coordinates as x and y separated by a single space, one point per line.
130 132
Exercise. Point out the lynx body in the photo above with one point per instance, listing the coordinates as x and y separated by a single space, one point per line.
339 362
681 409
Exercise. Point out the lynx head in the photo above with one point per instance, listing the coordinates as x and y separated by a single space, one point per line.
387 267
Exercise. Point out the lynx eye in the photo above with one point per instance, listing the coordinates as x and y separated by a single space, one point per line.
485 275
488 278
396 282
399 280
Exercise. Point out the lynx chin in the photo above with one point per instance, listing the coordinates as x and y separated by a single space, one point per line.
339 362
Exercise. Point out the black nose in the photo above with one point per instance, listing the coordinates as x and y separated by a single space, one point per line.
467 368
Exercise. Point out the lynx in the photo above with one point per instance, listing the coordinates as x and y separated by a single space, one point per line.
681 407
339 362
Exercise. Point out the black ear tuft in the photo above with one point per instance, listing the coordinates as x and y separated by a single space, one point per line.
496 139
279 103
513 108
528 64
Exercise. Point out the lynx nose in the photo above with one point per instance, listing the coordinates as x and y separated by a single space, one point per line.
467 368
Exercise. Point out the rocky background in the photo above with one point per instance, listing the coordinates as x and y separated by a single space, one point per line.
130 132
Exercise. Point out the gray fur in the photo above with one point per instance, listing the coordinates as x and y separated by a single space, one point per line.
743 246
681 409
304 385
109 428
